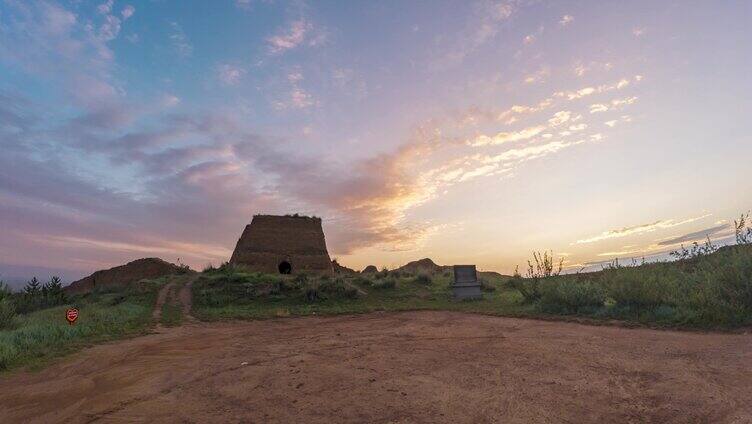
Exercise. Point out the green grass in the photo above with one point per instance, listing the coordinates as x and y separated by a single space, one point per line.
709 292
172 315
237 294
37 337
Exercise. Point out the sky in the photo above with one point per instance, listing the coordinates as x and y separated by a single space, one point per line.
467 132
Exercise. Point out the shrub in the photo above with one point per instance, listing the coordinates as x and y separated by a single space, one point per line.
486 286
328 290
529 288
5 291
742 231
571 296
423 278
643 287
365 281
696 250
7 314
544 267
385 283
722 289
311 292
384 273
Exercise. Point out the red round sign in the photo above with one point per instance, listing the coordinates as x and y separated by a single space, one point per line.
71 315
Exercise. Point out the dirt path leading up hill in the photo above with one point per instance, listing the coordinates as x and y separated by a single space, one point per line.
178 294
413 367
162 297
186 300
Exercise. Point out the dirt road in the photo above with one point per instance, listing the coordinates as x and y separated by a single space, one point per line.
413 367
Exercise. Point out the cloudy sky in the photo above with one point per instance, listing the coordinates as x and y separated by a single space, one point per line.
465 132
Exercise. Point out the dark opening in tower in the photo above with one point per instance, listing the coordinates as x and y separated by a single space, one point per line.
284 267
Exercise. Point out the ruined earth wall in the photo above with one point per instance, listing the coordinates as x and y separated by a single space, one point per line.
123 275
268 240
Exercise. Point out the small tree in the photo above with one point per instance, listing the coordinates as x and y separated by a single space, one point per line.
7 313
53 292
4 290
742 231
529 287
32 288
696 251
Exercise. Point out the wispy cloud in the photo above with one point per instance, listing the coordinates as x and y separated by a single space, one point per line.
695 235
297 97
566 20
505 137
639 229
481 27
180 41
229 74
538 76
290 37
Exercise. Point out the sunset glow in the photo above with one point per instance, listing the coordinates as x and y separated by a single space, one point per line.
464 132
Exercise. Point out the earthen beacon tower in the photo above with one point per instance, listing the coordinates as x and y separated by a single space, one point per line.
283 244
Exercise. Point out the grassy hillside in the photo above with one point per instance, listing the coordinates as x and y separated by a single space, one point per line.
231 292
32 338
708 291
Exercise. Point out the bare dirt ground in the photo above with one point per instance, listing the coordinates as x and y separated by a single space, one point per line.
411 367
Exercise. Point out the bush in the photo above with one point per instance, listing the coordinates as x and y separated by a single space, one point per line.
722 289
311 292
529 288
364 281
385 283
423 278
486 286
227 286
37 296
384 273
5 291
544 268
7 314
643 287
571 297
328 290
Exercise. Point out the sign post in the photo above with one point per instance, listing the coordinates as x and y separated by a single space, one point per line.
71 315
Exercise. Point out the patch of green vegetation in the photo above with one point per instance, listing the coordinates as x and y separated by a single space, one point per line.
708 288
172 315
233 293
36 337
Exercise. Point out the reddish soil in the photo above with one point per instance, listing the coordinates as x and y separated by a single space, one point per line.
413 367
124 275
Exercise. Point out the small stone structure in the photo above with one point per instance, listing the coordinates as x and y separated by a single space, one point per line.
466 284
287 244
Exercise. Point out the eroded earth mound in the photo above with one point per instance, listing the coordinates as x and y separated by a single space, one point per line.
123 275
341 269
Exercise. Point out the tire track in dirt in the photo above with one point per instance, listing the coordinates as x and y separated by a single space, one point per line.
162 298
186 300
423 367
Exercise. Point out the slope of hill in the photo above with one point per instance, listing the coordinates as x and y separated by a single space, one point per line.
126 274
